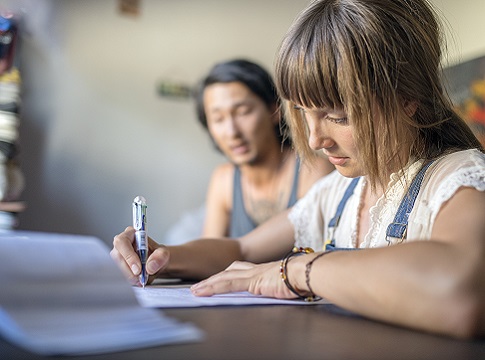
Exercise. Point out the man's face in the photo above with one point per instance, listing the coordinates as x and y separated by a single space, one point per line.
240 123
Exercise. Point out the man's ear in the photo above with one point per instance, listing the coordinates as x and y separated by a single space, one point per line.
410 107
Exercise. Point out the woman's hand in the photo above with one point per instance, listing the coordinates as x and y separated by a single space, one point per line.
124 254
262 279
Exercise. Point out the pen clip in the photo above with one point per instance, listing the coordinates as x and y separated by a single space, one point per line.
139 213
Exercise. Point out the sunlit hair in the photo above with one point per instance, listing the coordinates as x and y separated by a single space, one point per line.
257 79
375 59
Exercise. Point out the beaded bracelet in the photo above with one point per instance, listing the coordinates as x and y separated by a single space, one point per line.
284 270
309 268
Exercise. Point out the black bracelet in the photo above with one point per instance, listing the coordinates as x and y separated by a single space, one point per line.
284 270
309 268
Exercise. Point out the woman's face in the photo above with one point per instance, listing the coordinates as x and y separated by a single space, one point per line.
240 123
331 132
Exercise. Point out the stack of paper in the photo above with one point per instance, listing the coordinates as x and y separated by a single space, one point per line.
63 295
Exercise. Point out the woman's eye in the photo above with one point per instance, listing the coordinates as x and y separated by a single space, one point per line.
342 120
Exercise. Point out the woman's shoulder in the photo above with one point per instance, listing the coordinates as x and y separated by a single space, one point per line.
453 171
459 162
465 157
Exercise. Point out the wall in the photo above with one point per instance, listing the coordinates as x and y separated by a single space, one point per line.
94 131
465 33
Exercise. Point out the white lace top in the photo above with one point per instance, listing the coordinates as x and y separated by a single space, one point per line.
311 214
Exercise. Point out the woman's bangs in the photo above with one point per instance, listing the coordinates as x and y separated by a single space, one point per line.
307 75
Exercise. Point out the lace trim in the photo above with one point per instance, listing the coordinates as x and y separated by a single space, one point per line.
360 192
467 177
386 206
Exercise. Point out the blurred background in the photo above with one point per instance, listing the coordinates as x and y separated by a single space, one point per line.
106 114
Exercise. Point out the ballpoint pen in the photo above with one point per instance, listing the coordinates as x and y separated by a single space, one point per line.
139 223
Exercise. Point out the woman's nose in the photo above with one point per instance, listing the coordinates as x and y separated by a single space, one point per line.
318 138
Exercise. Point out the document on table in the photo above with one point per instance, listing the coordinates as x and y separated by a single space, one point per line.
157 296
63 295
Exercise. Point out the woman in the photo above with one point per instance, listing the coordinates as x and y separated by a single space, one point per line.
361 83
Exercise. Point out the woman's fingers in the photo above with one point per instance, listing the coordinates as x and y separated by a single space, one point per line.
262 279
124 253
224 282
240 265
157 260
125 269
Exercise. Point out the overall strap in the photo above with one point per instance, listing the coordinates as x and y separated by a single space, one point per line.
398 228
329 244
338 214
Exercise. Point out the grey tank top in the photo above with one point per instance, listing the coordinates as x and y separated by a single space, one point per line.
241 222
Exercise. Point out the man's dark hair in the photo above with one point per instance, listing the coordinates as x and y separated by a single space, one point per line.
255 77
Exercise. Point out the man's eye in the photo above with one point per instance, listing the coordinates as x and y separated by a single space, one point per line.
216 120
243 110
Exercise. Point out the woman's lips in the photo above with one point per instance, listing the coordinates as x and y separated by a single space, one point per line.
335 160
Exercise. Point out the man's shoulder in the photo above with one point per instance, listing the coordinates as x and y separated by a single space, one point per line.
223 170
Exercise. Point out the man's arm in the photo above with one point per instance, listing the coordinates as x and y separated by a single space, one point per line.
218 203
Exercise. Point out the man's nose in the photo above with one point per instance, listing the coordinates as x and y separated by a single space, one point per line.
232 128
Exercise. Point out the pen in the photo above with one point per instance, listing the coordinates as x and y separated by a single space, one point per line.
139 223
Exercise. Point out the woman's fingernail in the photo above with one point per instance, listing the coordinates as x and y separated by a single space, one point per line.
153 267
135 269
195 288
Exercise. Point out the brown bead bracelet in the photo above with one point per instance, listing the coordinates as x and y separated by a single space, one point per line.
284 270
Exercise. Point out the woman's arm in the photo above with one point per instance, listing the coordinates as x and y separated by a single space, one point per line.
199 259
202 258
436 285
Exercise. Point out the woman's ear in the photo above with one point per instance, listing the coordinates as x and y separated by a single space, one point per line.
410 107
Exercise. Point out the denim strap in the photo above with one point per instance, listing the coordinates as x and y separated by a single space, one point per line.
398 228
330 243
340 209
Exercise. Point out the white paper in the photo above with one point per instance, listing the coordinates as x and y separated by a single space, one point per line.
157 296
63 295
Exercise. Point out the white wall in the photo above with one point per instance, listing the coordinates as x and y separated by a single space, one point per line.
94 132
465 28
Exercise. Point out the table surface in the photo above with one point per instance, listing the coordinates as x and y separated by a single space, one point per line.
289 332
